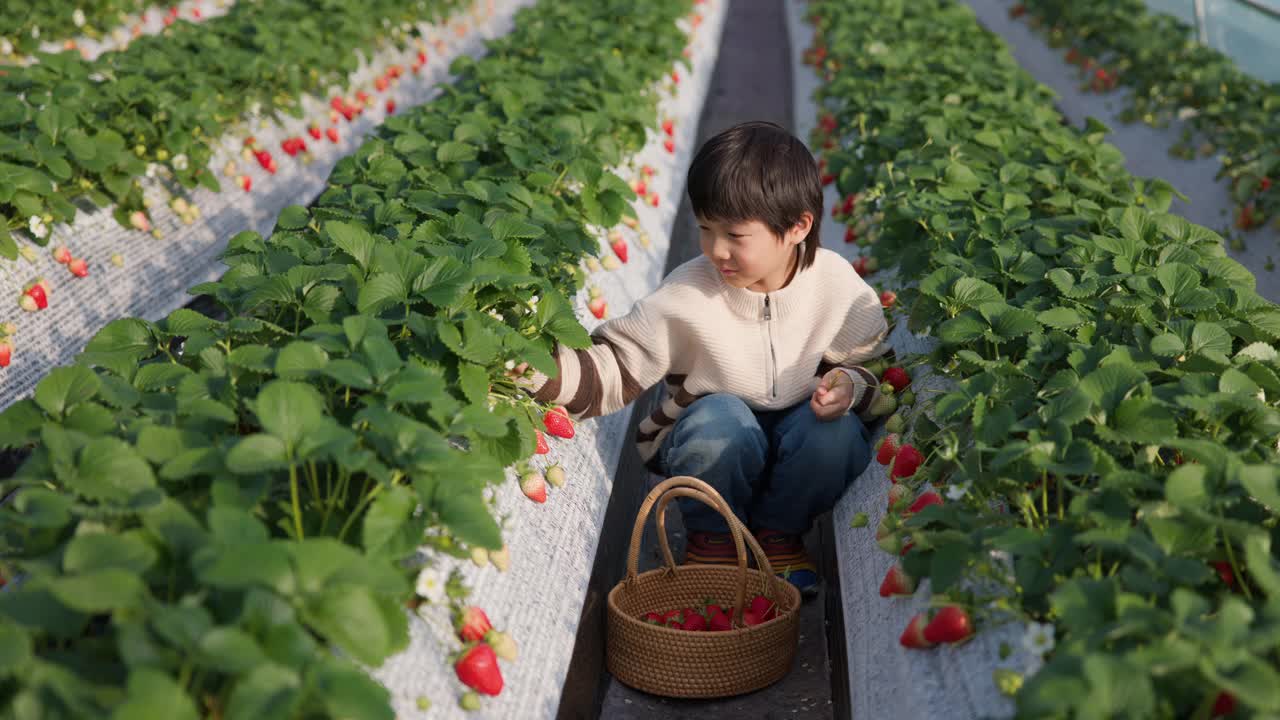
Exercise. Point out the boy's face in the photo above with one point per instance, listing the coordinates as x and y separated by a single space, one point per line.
748 254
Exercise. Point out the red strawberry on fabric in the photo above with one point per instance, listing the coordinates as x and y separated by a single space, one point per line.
888 298
62 254
850 235
906 462
669 127
473 624
669 144
598 307
860 266
888 449
675 76
332 134
558 424
913 636
639 188
542 448
897 582
381 84
315 132
245 182
950 625
927 498
78 267
37 293
653 199
647 170
534 486
897 377
6 354
619 246
391 107
478 670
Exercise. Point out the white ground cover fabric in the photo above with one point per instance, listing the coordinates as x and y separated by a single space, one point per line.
158 272
539 599
887 680
149 22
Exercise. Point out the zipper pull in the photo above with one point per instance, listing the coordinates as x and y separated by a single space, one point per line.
768 314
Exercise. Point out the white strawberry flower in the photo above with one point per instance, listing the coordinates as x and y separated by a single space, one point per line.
180 162
430 585
37 226
35 32
77 17
153 170
1187 113
6 47
957 491
510 365
1039 638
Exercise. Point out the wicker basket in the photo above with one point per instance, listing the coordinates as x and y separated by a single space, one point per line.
683 664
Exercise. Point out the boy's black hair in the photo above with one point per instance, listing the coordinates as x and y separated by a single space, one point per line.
758 171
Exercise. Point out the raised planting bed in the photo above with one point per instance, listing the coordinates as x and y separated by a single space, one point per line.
1097 419
211 505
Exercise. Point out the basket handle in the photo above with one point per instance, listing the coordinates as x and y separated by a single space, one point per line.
762 560
691 487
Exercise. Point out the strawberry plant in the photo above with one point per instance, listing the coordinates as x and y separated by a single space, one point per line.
1110 436
25 26
350 403
1225 109
170 99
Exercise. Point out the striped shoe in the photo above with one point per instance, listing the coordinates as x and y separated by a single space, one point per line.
710 548
789 559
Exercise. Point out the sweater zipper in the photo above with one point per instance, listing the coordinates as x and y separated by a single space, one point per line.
773 355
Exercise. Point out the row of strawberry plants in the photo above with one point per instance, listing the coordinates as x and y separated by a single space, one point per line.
1110 446
74 129
209 503
25 27
1227 111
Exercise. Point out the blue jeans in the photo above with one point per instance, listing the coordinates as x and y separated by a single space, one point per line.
777 469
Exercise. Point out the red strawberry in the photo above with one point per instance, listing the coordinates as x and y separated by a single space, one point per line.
764 607
653 618
897 377
653 199
619 246
647 171
1264 184
78 267
245 182
315 132
381 83
391 107
693 621
897 492
332 134
897 582
850 235
1224 571
62 254
422 58
950 625
558 424
751 618
913 636
673 618
473 624
927 498
6 353
860 266
669 144
888 298
719 622
675 76
598 307
669 127
639 188
542 447
534 486
37 293
888 449
827 122
906 462
1224 704
478 670
362 97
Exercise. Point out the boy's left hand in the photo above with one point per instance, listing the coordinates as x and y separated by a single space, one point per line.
832 398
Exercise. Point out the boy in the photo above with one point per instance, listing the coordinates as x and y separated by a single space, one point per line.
759 341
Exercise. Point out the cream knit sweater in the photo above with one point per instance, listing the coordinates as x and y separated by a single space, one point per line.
703 336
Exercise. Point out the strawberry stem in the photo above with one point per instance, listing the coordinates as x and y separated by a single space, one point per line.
1235 566
293 494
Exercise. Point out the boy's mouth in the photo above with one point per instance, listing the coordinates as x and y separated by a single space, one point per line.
727 271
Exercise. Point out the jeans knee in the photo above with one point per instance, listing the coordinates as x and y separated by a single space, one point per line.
842 441
716 429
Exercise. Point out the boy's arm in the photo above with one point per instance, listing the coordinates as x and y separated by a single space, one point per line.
627 356
861 338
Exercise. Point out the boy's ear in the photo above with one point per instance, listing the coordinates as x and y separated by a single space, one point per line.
800 230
